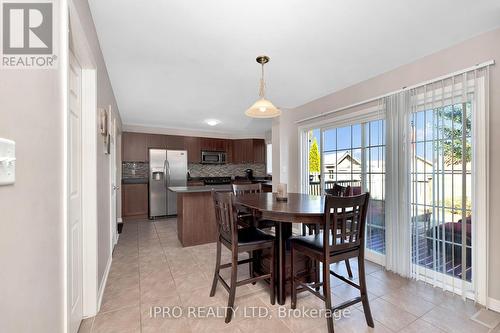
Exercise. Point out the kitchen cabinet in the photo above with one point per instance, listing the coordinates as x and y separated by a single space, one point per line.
193 147
259 151
228 148
134 147
135 200
249 151
157 141
210 144
175 142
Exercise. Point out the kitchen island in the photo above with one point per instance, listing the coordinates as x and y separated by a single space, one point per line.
195 213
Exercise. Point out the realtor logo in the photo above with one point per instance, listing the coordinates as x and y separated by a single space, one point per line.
27 35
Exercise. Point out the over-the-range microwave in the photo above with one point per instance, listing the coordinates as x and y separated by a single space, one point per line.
213 157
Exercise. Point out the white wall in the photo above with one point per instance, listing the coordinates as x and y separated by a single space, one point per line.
476 50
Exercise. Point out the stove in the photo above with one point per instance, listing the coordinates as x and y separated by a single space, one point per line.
217 180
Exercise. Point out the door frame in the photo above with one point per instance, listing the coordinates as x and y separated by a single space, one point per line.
113 219
77 41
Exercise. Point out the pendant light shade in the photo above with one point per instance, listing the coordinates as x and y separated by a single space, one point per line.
263 108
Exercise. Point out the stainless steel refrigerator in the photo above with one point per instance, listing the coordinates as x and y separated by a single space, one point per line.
166 168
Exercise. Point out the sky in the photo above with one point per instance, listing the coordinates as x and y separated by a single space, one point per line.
350 136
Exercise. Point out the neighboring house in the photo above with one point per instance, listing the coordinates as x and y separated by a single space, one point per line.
346 167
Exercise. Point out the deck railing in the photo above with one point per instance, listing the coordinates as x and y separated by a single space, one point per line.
315 186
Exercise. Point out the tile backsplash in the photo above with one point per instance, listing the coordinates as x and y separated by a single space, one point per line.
135 170
141 169
225 170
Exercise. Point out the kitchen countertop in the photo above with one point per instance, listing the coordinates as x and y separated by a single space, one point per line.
200 189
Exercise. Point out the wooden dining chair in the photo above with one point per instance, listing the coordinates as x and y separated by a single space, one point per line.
237 240
336 191
343 237
245 216
339 190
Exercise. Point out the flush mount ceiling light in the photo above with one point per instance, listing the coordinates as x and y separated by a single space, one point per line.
263 108
212 122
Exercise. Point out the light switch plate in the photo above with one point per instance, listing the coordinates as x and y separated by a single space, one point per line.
7 162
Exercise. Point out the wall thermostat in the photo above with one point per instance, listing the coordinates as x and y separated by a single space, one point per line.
7 162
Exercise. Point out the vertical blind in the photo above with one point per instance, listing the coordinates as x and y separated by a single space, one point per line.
431 209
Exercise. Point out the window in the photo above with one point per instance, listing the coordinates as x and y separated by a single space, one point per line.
269 158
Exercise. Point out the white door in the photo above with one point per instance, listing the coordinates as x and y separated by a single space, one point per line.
114 186
75 251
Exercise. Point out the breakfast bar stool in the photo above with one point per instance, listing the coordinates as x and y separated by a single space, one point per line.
238 240
342 237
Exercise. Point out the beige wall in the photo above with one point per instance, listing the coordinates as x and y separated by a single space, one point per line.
105 97
476 50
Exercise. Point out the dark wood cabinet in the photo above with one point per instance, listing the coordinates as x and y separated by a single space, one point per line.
135 200
175 142
228 148
157 141
249 151
259 151
134 147
210 144
193 147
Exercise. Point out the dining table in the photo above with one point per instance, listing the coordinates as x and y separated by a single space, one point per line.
298 208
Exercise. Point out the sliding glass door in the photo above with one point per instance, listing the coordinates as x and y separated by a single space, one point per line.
354 156
441 191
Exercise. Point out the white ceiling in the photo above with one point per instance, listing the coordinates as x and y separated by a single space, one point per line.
175 63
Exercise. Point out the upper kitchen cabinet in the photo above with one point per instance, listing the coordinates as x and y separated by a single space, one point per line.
249 151
157 141
175 142
259 151
243 151
210 144
193 147
134 147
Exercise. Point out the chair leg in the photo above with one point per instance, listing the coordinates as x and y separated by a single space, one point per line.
348 266
303 229
217 269
232 289
272 281
251 255
328 295
364 294
293 302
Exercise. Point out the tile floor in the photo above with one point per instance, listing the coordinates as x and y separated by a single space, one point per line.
151 269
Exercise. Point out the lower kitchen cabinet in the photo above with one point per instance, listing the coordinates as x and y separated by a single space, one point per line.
135 200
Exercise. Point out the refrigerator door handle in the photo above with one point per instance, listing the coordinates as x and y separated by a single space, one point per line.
167 173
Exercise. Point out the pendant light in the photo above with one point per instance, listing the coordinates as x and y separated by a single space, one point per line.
263 108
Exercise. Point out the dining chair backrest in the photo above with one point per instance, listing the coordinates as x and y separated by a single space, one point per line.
345 219
339 190
239 189
225 216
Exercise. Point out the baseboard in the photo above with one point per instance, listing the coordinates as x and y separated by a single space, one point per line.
494 304
103 282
